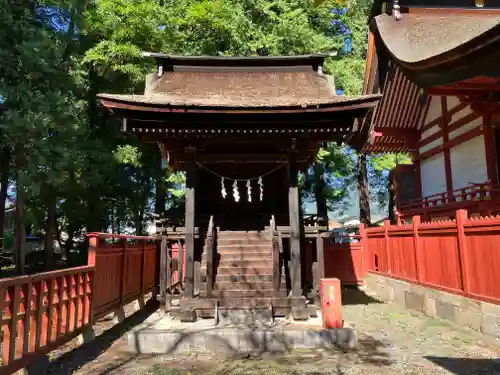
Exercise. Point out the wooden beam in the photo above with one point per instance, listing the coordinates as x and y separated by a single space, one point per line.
398 133
313 136
246 158
312 108
191 172
445 131
293 204
477 131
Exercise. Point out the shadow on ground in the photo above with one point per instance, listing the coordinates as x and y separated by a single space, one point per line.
355 296
466 366
71 361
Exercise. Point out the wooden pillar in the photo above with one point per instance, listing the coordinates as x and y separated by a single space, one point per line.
293 205
447 157
191 172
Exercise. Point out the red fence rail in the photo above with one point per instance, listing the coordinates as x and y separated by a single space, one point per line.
38 313
476 197
458 256
125 269
344 261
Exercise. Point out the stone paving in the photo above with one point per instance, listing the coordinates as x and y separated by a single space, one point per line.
392 340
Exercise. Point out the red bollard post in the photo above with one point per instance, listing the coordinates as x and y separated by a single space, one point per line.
331 303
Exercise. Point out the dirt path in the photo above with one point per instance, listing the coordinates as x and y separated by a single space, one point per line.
392 341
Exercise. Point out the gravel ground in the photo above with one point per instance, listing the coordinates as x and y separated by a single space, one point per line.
392 341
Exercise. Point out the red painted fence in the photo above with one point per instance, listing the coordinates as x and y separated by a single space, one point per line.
43 311
344 261
459 256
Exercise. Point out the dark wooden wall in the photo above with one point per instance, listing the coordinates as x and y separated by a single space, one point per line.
243 215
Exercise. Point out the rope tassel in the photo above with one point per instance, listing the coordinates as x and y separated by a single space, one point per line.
261 187
248 182
236 194
223 188
249 191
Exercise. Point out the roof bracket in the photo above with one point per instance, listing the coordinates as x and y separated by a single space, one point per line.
396 10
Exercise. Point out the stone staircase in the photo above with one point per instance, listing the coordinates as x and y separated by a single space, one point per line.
243 284
243 266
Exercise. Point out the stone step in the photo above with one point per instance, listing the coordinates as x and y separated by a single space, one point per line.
253 264
249 256
264 248
243 278
245 293
245 316
239 302
247 285
241 234
244 271
243 241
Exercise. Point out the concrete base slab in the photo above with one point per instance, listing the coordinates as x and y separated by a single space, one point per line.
233 341
256 316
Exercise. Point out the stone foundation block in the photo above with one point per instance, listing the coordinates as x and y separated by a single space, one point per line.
466 312
490 325
414 300
234 341
86 336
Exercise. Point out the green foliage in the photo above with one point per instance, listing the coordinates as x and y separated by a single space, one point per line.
69 157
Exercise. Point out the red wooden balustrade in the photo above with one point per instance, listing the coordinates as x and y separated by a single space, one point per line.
459 256
125 270
43 311
476 197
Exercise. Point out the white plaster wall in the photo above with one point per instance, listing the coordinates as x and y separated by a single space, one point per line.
434 109
452 102
465 128
433 175
430 132
468 163
431 145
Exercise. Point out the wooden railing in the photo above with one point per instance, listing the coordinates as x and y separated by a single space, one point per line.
210 247
43 311
459 256
476 197
278 256
125 269
172 261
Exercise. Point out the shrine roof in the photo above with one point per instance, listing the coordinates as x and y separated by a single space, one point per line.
429 38
434 45
240 82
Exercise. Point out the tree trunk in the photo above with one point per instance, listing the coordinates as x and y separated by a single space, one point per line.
139 221
160 189
4 185
319 193
51 231
19 229
364 191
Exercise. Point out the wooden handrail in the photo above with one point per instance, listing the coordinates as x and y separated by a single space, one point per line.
119 236
277 255
469 194
210 248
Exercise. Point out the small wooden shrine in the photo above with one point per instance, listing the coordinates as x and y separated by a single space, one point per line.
241 128
436 63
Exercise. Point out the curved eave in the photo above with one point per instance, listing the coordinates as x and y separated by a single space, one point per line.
116 102
479 52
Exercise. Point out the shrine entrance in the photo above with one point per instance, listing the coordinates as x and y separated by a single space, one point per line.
242 129
243 201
